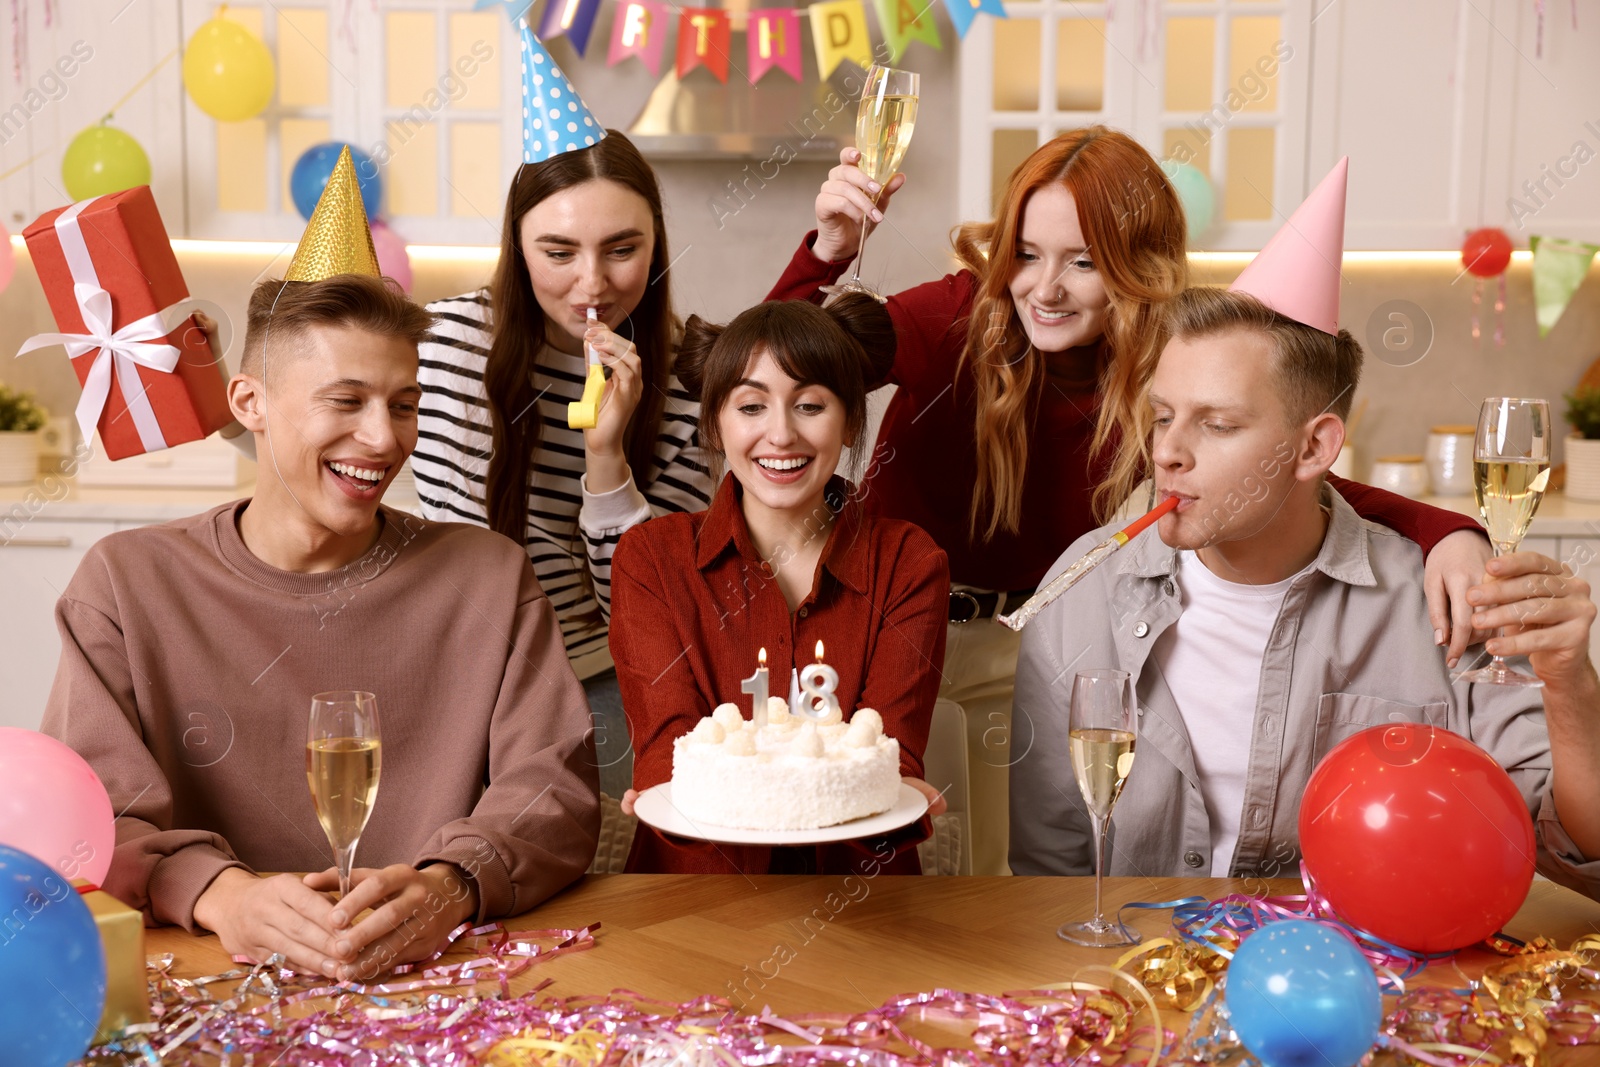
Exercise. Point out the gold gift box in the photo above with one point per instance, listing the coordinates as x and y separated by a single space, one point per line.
122 936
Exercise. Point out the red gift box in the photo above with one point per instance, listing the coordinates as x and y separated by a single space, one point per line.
119 244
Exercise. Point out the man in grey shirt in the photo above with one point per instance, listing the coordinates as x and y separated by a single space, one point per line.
1248 411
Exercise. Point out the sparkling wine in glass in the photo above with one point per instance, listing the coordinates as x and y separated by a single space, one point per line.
1510 468
1101 737
343 758
884 122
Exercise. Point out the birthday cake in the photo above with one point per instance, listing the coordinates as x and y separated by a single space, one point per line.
793 773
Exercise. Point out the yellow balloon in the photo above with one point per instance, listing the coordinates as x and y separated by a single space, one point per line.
102 160
228 71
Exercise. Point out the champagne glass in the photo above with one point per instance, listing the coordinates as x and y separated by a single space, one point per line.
343 758
1101 735
1510 468
884 121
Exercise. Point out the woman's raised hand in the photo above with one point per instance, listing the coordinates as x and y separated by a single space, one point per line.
845 204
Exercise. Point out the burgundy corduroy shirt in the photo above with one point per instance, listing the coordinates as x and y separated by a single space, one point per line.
692 602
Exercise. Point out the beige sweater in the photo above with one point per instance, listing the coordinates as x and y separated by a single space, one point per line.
186 675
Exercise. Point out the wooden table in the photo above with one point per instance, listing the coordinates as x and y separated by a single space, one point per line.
856 942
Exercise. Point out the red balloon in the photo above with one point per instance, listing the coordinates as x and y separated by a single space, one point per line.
1486 252
1417 835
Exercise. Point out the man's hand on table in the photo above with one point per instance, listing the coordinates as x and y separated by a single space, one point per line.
413 912
257 917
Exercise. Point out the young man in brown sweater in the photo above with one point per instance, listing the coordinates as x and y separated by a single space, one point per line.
191 651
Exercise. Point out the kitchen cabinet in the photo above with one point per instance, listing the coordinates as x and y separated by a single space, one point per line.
37 560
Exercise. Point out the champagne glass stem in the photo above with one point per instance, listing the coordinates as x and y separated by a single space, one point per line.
861 246
345 859
1100 826
1497 662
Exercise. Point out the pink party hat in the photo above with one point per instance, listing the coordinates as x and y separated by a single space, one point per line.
1297 273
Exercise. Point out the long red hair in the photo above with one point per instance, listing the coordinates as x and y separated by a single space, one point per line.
1133 224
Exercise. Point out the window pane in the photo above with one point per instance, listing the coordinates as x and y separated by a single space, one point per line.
294 137
475 59
1190 55
1187 145
411 177
1080 64
1253 62
410 57
242 165
303 57
475 171
1008 148
1250 174
249 17
1016 64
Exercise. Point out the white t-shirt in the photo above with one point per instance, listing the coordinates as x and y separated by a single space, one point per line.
1211 660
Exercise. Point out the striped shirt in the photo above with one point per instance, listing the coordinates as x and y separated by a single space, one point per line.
451 464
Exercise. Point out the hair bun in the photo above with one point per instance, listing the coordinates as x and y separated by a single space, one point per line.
869 323
693 351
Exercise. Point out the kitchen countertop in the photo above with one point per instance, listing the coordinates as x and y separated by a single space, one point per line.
1557 515
107 504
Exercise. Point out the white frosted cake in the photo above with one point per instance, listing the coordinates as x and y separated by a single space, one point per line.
791 774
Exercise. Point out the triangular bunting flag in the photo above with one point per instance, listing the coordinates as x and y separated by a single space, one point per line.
904 21
1559 267
839 31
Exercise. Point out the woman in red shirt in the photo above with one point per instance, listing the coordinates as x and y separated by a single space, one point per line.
784 557
997 438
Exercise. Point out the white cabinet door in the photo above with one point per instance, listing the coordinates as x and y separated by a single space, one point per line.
1542 160
1401 90
37 559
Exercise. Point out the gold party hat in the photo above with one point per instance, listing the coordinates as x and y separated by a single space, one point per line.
337 239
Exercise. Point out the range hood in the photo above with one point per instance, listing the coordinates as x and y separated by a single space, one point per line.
699 117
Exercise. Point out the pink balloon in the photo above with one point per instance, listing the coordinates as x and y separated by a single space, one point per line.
53 807
8 258
393 260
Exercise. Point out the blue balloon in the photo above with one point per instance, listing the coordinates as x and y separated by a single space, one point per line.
52 968
1197 194
1302 995
315 166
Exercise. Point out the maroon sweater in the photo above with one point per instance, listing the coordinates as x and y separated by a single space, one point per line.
926 465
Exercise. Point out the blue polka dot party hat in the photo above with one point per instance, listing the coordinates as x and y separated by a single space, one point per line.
554 118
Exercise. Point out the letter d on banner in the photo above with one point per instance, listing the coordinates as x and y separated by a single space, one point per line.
839 31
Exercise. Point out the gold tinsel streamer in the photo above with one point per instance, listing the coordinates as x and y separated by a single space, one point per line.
337 239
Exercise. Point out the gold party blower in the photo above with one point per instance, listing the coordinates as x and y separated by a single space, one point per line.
582 414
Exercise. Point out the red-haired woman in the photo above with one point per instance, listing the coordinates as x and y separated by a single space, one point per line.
581 230
1016 374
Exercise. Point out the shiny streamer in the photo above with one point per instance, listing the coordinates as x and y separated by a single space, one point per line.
413 1021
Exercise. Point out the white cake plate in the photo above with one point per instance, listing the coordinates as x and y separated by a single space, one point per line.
654 807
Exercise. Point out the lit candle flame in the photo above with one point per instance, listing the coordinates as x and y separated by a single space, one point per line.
761 658
819 651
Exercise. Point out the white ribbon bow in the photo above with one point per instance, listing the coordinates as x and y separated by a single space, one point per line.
136 343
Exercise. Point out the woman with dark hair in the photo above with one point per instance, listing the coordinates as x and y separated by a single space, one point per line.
1017 375
582 230
785 557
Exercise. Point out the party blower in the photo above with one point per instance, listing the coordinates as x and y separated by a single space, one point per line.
1089 561
582 414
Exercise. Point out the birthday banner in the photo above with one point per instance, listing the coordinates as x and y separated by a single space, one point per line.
774 42
640 31
839 32
573 19
904 21
704 37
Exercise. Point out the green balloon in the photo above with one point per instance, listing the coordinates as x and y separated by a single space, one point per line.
1197 194
101 160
